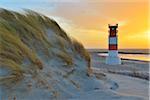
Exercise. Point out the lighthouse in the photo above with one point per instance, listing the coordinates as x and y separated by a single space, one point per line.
113 58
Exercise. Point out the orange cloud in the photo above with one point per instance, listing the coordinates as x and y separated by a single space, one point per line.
88 22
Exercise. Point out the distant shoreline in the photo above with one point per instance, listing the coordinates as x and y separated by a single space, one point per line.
134 60
127 52
123 51
129 59
138 60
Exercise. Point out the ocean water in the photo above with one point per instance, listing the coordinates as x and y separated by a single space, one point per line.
133 54
142 57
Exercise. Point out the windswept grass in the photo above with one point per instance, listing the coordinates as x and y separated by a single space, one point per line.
24 38
78 47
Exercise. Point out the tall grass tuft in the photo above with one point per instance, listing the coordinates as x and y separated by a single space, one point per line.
24 39
78 47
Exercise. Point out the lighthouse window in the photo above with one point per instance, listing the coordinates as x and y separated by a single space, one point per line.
113 29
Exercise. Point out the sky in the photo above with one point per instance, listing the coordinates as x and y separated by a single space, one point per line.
87 20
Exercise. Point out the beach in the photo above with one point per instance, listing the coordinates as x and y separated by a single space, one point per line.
127 65
129 78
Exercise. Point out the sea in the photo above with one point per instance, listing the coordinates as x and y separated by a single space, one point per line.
128 54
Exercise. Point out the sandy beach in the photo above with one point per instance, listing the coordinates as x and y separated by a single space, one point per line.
126 66
129 78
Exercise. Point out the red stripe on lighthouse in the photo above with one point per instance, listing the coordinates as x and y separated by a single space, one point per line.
113 47
112 33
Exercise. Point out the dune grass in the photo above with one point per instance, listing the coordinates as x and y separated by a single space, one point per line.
79 48
23 36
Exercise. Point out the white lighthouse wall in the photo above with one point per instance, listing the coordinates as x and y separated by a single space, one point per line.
112 40
113 58
113 53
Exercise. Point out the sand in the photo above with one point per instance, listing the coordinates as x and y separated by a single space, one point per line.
126 66
131 77
110 83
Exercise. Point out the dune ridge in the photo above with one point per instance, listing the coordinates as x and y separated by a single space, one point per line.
32 43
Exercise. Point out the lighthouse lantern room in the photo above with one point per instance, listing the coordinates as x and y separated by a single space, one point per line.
113 58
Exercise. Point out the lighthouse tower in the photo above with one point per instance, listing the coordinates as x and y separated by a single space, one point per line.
113 58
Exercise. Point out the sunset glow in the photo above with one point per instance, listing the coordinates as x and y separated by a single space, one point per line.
88 21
